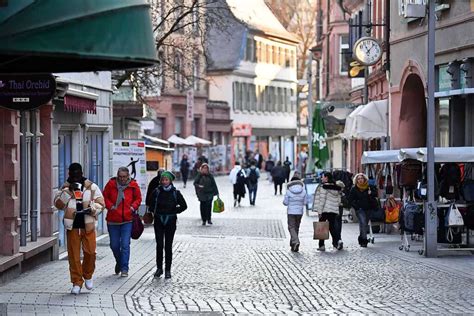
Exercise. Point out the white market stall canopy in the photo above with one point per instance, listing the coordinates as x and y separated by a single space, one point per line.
179 141
155 139
442 154
367 121
197 141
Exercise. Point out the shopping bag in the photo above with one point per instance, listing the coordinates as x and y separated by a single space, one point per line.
148 218
454 217
392 211
137 226
218 206
321 230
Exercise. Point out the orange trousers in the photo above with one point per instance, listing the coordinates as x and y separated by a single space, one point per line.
81 271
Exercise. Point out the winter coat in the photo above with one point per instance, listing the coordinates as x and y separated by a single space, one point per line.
132 199
362 199
91 197
295 197
184 166
208 189
278 174
167 202
327 198
154 183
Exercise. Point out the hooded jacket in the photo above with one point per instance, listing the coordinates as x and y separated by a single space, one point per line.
132 198
327 197
295 197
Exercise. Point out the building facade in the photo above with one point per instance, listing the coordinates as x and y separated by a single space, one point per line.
252 67
454 86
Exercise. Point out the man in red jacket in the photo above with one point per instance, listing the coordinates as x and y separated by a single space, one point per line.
122 198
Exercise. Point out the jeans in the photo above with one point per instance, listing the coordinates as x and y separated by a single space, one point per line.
164 235
334 228
206 210
363 217
294 222
252 193
120 243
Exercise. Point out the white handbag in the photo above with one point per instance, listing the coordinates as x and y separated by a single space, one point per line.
454 217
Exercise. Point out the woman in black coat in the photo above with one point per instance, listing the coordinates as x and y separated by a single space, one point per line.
166 203
278 174
362 198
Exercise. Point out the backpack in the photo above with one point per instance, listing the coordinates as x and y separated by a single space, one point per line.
253 177
413 220
240 177
450 184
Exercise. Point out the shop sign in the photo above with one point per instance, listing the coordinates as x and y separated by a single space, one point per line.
190 105
26 92
241 130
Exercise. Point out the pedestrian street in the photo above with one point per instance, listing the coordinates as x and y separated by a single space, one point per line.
242 264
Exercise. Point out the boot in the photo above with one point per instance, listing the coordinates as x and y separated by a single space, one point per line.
158 272
167 274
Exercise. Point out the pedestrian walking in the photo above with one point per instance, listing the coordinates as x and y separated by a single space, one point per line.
206 189
278 175
253 174
184 169
259 159
362 197
154 183
327 200
166 203
287 166
295 199
82 201
269 164
122 198
238 178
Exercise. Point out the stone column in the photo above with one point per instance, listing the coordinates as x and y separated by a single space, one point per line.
46 172
9 181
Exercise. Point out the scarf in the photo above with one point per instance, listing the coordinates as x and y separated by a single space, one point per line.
165 218
363 187
120 195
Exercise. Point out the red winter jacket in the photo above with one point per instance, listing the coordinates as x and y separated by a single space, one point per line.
132 198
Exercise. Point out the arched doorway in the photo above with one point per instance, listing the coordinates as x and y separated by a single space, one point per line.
412 123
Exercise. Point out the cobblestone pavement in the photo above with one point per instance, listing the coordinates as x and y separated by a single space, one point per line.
242 265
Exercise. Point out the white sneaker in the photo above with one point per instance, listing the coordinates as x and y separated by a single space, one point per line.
340 245
322 248
76 289
89 285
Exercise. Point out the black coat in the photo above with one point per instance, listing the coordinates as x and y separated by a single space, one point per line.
154 183
361 199
167 202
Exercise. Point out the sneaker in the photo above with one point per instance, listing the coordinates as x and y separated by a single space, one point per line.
322 248
124 274
167 274
76 289
117 269
158 273
89 284
292 247
209 222
340 245
297 247
203 223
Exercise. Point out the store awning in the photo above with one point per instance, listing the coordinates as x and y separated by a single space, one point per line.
179 141
442 155
73 36
197 141
367 121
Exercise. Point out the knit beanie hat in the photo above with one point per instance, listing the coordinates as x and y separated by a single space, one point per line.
167 174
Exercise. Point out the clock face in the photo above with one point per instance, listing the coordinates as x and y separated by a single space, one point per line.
367 51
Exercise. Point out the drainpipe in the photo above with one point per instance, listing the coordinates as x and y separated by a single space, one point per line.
23 183
328 33
34 178
388 69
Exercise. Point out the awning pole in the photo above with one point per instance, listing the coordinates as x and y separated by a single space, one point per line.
431 246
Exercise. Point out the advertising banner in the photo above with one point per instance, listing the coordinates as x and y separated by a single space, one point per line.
131 154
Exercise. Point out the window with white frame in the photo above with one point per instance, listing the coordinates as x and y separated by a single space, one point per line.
178 71
344 54
196 70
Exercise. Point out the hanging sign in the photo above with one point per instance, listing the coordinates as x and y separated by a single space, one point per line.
190 105
26 91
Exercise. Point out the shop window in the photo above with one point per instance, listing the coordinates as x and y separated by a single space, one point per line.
443 123
178 126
